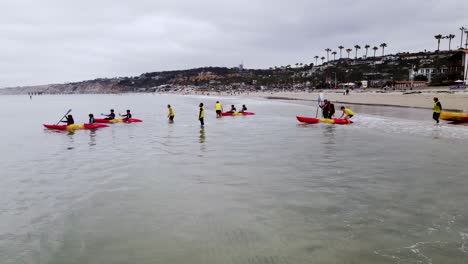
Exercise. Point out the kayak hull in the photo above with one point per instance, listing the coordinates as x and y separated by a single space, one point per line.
117 120
454 117
308 120
74 127
237 114
313 120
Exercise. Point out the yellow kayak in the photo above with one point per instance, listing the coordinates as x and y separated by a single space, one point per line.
455 117
327 120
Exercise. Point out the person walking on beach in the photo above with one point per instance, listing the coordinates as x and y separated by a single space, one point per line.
347 113
437 110
201 115
171 114
219 109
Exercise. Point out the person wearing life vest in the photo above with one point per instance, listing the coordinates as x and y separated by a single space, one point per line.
171 114
201 115
233 109
244 109
347 113
69 120
219 109
91 119
110 116
437 110
127 116
324 107
331 110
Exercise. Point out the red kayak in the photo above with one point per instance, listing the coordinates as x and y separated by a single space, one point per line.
117 120
75 126
309 120
339 121
237 113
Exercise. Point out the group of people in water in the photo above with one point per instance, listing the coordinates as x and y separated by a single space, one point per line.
70 121
328 111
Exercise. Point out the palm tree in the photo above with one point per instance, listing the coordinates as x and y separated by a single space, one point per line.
438 37
375 50
348 50
462 30
328 51
341 48
357 47
450 37
323 58
367 48
383 45
316 58
334 55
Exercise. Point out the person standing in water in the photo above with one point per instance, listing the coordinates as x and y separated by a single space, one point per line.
347 113
437 110
171 114
324 107
219 109
91 119
201 115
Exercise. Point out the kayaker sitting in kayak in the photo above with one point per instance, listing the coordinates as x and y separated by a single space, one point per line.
347 113
69 120
110 116
171 113
127 116
244 108
91 119
233 109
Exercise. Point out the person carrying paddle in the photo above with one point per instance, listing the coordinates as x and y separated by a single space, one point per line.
201 115
91 119
219 109
331 110
110 116
324 107
127 116
69 120
171 114
437 110
347 113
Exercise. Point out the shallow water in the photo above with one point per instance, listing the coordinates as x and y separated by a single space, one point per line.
256 189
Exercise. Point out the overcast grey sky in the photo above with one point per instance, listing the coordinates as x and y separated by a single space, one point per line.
50 41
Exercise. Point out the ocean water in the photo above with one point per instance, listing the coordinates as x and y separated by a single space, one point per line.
260 189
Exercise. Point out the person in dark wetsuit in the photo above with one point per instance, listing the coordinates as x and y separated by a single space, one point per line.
91 119
127 116
331 110
233 109
324 107
69 120
244 108
110 116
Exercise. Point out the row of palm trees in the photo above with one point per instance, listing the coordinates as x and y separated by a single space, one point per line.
356 47
463 31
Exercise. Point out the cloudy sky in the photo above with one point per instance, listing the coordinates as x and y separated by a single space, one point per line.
50 41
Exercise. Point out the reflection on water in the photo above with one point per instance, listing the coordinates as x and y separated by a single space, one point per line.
92 137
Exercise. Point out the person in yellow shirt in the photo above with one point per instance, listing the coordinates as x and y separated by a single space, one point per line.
437 110
219 109
201 115
171 114
347 113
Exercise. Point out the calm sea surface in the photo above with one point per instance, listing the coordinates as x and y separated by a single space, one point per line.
261 189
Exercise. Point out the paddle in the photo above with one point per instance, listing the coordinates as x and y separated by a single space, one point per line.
319 100
64 116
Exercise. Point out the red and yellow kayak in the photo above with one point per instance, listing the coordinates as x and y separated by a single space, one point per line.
454 117
117 120
237 113
313 120
74 126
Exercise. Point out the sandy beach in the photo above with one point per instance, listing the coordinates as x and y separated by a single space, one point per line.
457 101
